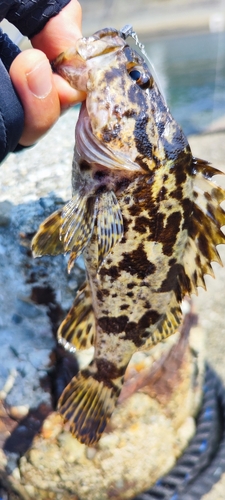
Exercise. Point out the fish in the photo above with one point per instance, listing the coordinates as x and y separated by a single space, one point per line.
144 213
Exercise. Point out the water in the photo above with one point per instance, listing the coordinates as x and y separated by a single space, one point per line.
191 70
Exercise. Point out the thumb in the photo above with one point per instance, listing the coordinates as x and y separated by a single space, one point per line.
32 78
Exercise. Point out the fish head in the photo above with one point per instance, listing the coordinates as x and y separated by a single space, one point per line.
91 57
124 108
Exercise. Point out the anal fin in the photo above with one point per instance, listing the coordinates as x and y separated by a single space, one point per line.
78 328
169 325
166 327
87 405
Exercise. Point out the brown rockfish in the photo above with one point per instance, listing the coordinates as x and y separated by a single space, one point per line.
145 214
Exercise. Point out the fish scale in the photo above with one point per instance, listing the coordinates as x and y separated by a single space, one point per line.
145 214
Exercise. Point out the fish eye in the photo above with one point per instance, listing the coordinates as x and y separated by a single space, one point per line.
143 80
135 74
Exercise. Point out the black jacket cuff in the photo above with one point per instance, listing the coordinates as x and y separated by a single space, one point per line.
11 115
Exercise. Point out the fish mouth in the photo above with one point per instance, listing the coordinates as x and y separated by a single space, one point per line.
104 41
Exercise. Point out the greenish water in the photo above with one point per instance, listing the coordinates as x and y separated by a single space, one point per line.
191 70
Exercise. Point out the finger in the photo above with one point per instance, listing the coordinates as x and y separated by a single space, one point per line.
61 31
67 95
33 80
59 34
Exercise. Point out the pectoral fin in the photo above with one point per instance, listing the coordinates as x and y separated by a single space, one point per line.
67 230
47 239
109 224
78 223
78 328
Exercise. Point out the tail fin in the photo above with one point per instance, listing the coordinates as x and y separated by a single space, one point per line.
88 405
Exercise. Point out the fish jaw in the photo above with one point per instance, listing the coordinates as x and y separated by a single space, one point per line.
75 63
72 68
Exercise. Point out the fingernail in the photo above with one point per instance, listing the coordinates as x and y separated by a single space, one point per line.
39 80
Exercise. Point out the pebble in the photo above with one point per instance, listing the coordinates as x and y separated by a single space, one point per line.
30 490
16 474
52 426
8 384
18 412
90 453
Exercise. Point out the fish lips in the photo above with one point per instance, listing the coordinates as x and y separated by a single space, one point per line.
74 64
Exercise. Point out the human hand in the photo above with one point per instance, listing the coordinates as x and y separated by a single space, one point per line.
44 95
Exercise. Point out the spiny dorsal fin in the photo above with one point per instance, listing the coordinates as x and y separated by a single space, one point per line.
208 195
88 405
203 227
109 224
204 168
78 328
47 240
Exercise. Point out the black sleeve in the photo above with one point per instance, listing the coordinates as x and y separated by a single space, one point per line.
30 16
11 110
11 115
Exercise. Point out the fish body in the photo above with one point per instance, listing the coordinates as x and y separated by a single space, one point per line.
145 215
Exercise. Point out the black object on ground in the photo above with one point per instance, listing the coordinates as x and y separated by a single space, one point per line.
203 462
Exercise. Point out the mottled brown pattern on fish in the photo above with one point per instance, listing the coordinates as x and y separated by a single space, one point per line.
145 214
159 223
